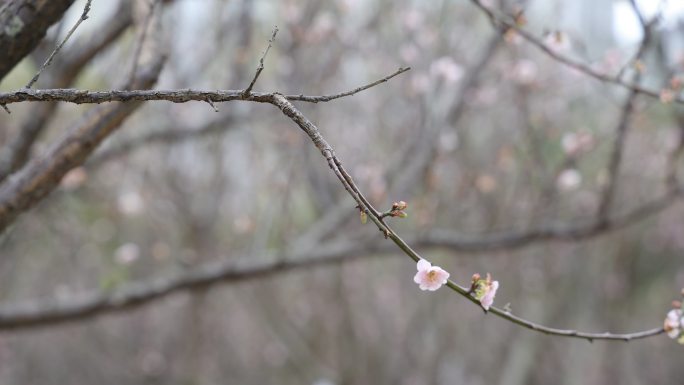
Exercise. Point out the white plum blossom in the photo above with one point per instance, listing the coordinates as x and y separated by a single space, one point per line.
574 143
127 253
674 323
430 277
130 203
446 69
525 72
569 179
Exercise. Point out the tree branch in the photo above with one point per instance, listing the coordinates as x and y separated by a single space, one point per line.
171 135
175 96
336 166
623 125
502 25
33 314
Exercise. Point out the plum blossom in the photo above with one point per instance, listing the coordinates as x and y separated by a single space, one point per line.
674 323
557 41
485 290
569 179
127 253
574 143
430 277
490 292
446 69
525 72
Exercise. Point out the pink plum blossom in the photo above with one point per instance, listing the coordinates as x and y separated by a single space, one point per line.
673 323
490 292
430 277
558 42
484 290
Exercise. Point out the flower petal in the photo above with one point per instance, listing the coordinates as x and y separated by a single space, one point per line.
423 265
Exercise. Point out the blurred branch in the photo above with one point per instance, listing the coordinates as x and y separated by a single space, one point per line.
41 176
16 152
646 31
35 314
143 29
84 16
514 239
502 25
171 135
82 307
623 125
674 156
24 23
616 156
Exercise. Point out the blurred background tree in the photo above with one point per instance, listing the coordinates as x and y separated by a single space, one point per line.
565 188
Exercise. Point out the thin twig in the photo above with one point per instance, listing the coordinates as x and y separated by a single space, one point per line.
81 19
260 68
140 42
327 98
645 28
